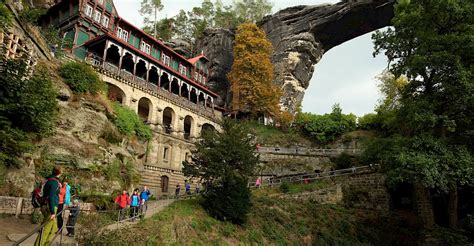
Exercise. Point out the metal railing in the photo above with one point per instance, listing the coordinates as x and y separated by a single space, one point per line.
125 213
301 178
306 151
39 229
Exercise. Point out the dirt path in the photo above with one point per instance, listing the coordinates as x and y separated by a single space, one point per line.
12 225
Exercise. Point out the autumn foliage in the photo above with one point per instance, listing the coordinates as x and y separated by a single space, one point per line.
252 73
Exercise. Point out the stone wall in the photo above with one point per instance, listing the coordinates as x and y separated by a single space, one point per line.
366 191
284 164
15 205
363 191
153 177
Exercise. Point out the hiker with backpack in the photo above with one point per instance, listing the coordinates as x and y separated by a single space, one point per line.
46 196
122 201
134 204
64 202
187 187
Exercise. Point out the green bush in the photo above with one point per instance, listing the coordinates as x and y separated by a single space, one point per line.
37 216
325 128
369 122
129 123
285 186
81 78
100 200
343 161
31 14
111 134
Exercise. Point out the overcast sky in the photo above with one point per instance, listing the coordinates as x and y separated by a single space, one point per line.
346 73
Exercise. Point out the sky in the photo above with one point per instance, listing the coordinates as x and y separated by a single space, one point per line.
345 75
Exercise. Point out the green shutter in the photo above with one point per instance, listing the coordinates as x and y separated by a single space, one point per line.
82 37
137 43
158 54
109 7
95 29
80 53
175 65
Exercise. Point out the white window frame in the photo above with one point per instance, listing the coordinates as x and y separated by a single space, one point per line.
122 34
88 10
165 59
101 2
105 21
97 16
196 76
145 47
182 69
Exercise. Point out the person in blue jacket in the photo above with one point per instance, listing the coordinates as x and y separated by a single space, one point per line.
134 204
145 195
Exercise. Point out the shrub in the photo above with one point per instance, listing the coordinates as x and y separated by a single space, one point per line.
369 122
111 134
285 186
129 123
81 78
28 108
325 128
343 161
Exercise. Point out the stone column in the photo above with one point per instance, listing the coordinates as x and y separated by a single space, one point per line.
104 56
120 60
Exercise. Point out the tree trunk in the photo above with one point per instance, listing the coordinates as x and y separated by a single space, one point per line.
423 204
453 208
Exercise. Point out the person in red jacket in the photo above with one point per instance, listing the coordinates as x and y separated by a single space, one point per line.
122 201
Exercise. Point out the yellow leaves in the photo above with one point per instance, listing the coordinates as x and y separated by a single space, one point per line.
252 73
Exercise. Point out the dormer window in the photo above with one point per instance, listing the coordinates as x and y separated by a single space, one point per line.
122 34
105 21
145 47
88 10
97 16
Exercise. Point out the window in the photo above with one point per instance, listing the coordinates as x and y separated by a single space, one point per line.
164 183
203 80
122 34
166 151
182 69
97 16
100 2
145 47
200 78
88 10
105 21
196 76
165 59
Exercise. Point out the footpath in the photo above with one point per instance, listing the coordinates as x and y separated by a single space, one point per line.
154 207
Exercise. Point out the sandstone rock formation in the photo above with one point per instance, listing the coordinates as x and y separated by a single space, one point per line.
300 36
218 44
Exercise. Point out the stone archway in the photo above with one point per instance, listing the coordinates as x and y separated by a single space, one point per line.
207 127
115 94
144 109
168 119
300 36
188 126
113 55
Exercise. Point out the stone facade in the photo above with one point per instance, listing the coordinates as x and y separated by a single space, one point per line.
367 191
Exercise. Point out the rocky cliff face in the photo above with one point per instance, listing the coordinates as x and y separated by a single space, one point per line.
300 36
218 44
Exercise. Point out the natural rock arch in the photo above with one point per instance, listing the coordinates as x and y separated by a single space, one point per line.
300 36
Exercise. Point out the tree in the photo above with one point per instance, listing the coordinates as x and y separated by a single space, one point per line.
223 161
252 10
163 29
430 43
251 75
27 108
149 9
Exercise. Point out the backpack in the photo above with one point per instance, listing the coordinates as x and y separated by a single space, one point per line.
37 197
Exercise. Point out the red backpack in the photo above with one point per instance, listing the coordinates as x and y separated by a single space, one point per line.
38 198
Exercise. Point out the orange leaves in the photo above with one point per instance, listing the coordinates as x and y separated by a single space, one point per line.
252 73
